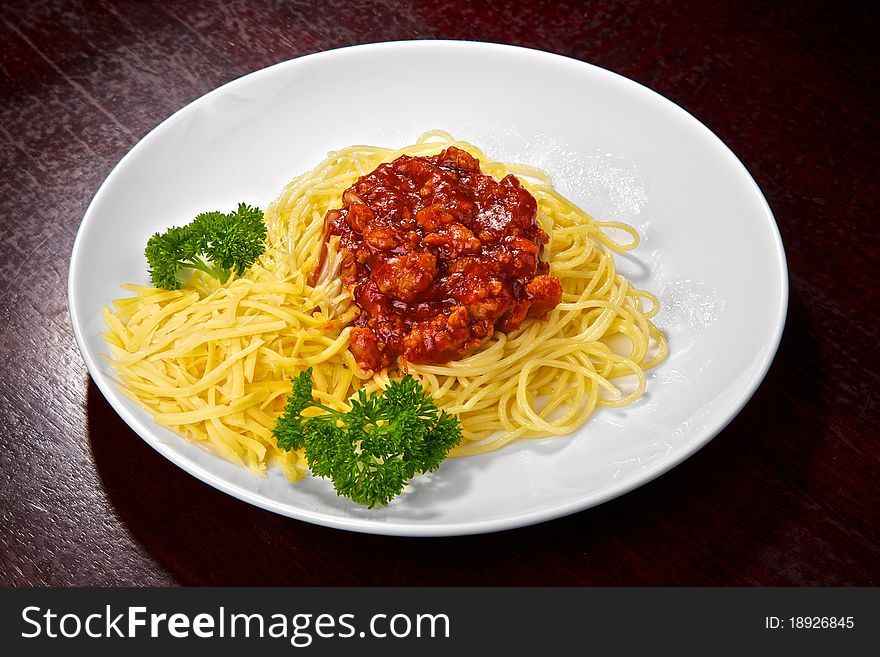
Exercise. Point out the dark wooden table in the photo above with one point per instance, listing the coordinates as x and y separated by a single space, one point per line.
786 495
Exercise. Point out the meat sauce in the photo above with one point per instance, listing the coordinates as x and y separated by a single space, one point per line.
438 256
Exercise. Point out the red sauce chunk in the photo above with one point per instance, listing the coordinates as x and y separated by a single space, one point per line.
438 256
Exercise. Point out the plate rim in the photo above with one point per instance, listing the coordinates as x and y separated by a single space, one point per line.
427 528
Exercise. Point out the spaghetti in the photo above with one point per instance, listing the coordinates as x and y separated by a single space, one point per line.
214 362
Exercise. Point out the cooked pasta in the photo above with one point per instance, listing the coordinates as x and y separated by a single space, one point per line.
214 362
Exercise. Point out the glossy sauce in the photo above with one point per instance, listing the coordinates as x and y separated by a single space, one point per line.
438 256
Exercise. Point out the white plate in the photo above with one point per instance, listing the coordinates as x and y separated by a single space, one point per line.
710 250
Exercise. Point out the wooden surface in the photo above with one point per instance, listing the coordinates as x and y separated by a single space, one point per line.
786 495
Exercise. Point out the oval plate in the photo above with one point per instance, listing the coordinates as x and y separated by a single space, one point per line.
711 251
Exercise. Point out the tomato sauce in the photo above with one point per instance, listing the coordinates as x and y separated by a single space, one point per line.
438 256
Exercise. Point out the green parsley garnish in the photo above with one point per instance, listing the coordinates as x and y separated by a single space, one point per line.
215 243
373 450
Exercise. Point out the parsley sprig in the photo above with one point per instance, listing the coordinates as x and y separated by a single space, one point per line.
216 243
373 450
